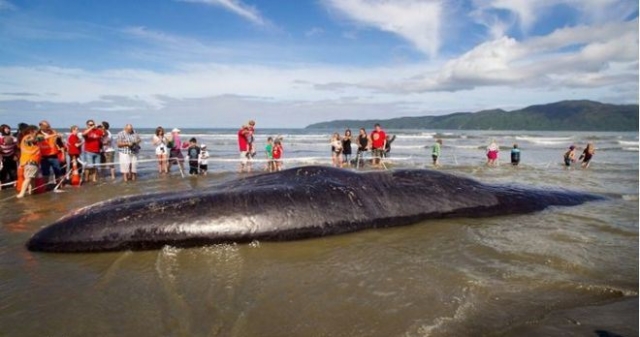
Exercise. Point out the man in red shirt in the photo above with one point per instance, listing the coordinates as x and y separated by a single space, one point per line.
244 135
378 143
92 145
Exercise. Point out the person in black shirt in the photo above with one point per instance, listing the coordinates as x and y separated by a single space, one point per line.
363 146
346 147
194 153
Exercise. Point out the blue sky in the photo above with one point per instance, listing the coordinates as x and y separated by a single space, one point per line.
218 63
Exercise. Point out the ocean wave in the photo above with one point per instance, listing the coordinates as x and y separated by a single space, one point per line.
546 140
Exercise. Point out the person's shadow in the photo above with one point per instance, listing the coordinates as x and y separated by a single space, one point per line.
604 333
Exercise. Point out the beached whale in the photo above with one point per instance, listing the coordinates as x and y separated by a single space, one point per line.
298 203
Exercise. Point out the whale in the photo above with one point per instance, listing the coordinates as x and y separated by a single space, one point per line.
298 203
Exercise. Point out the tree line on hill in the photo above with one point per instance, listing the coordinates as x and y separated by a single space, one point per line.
580 115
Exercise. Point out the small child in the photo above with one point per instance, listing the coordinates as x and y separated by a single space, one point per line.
277 154
336 150
203 163
193 152
570 156
269 149
515 155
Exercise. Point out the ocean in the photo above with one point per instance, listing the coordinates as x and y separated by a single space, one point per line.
563 271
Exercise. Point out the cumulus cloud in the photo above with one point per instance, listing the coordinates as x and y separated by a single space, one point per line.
583 56
236 6
415 21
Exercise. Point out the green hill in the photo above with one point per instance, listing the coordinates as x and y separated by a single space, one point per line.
581 115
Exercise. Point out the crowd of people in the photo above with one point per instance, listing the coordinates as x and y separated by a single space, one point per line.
569 156
42 152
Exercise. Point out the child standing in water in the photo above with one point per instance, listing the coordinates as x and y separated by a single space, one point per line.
277 154
336 150
269 151
193 152
203 162
515 155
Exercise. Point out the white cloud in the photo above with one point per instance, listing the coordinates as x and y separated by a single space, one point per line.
415 21
529 12
238 7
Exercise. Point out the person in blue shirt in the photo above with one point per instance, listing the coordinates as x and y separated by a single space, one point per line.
515 155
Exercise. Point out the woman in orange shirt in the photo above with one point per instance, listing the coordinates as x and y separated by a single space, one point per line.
29 158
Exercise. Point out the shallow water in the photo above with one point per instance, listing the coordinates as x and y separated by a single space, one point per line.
452 277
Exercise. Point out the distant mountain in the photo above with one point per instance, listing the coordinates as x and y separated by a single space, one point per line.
581 115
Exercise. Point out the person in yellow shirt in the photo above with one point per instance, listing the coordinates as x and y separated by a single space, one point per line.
29 158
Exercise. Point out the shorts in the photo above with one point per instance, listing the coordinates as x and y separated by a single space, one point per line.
567 162
108 159
434 157
492 155
128 163
377 153
91 159
30 171
176 153
204 167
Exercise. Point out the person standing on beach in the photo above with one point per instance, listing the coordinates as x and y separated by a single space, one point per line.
277 152
250 138
363 146
193 152
92 144
128 142
160 141
243 145
378 145
587 155
108 150
50 145
336 150
346 148
74 147
269 151
175 150
29 159
8 155
435 152
492 153
515 155
203 160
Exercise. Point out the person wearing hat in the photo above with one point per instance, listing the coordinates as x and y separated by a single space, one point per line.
202 160
175 150
570 156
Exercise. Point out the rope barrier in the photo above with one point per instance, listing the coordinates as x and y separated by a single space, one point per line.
223 160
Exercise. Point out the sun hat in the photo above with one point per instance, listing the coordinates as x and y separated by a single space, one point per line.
175 130
203 146
572 147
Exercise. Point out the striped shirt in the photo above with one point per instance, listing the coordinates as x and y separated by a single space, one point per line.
131 138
